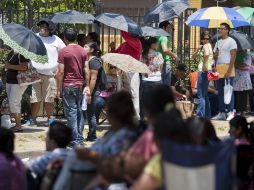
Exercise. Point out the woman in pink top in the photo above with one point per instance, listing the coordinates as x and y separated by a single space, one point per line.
12 170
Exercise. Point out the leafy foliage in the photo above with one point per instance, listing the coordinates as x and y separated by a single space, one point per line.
50 5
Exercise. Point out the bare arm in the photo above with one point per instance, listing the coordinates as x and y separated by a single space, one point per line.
169 53
147 182
87 78
94 74
21 67
59 77
177 94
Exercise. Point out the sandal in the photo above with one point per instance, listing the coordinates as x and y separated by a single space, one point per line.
16 130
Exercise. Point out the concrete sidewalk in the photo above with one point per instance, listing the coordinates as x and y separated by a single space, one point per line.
31 141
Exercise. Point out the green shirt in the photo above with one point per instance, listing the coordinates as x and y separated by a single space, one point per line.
208 49
163 40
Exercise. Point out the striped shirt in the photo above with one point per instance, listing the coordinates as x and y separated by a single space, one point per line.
39 164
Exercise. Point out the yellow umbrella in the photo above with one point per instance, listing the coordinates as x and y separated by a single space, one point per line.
212 17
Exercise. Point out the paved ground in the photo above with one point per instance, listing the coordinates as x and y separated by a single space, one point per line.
30 142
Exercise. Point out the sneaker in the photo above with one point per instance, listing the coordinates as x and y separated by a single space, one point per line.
27 123
33 123
51 120
230 116
220 116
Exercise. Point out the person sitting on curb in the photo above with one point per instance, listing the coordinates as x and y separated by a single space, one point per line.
179 91
58 138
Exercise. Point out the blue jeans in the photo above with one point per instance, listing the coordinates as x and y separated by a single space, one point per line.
223 108
166 74
203 109
90 113
100 103
72 98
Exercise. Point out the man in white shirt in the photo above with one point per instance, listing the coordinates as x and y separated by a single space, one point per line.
224 55
46 90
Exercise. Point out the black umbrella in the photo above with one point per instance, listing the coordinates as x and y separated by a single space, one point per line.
24 41
73 17
243 40
120 22
166 11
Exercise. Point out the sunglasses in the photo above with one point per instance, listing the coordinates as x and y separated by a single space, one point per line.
222 29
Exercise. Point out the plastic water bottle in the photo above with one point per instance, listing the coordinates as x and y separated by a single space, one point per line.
84 103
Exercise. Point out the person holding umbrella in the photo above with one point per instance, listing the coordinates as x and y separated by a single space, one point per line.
46 90
16 63
166 53
133 47
225 55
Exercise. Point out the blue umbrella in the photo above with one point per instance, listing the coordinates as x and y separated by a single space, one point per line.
166 11
73 17
212 17
120 22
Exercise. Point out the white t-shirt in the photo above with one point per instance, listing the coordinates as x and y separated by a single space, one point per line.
53 45
225 46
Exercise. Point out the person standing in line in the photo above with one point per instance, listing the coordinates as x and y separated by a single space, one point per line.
16 63
133 47
154 60
205 65
225 55
242 81
251 92
95 67
70 77
166 53
46 90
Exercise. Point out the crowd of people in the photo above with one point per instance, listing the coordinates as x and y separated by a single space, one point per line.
141 110
128 155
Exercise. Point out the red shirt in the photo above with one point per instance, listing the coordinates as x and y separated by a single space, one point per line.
73 57
132 46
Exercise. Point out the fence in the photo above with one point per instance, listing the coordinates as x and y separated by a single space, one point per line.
184 39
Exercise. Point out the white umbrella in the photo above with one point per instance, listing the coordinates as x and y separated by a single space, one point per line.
151 31
125 63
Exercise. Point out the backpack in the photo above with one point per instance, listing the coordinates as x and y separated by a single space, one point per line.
103 77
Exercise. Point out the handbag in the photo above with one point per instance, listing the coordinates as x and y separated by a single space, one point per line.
213 76
30 76
186 108
228 90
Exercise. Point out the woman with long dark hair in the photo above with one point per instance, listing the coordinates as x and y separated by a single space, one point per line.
154 61
204 66
95 66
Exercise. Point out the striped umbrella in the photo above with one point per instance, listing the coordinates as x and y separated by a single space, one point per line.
247 13
212 17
